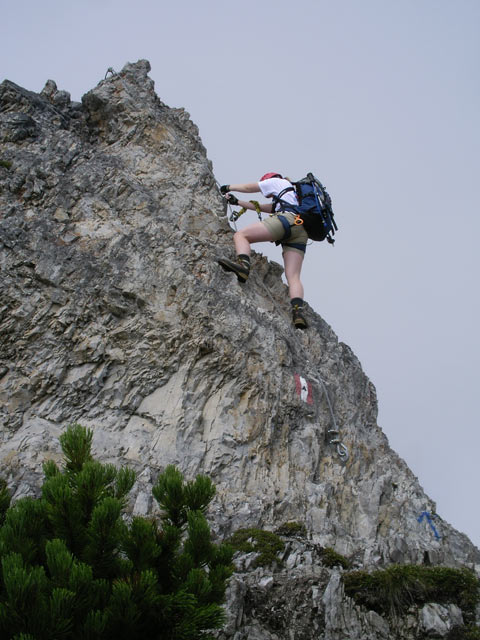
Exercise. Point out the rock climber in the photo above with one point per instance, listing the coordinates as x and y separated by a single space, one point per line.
279 228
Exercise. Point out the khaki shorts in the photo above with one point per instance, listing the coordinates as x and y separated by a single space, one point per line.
297 241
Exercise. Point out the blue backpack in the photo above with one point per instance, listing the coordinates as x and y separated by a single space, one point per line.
314 208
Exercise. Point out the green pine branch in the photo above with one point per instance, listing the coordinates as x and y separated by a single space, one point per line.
72 567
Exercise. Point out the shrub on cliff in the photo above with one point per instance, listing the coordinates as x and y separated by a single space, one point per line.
72 568
265 543
393 590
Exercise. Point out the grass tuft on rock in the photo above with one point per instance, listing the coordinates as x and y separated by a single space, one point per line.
391 591
292 529
330 558
265 543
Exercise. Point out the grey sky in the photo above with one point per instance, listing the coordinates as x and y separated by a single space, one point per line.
380 99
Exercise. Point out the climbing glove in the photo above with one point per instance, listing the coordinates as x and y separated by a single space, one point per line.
225 188
232 199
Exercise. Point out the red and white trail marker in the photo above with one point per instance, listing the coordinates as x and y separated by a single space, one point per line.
304 389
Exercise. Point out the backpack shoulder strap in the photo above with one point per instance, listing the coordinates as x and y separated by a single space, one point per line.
284 191
278 199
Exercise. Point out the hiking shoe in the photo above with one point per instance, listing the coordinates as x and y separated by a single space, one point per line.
241 268
299 321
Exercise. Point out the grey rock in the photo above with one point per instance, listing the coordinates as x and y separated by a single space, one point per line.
15 127
114 313
344 619
49 90
437 620
56 97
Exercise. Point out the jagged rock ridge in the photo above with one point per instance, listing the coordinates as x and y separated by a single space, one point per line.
114 314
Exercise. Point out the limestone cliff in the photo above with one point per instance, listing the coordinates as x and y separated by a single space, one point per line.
115 314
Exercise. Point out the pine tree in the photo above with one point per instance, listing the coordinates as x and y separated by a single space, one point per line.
73 568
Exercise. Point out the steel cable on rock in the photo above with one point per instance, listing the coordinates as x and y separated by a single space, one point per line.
335 432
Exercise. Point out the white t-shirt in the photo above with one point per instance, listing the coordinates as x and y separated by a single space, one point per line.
273 186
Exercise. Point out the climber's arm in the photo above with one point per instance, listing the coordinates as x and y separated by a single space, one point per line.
266 207
249 187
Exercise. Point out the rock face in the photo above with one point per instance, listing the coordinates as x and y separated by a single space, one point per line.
115 314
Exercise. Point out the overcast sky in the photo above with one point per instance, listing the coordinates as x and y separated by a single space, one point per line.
380 99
